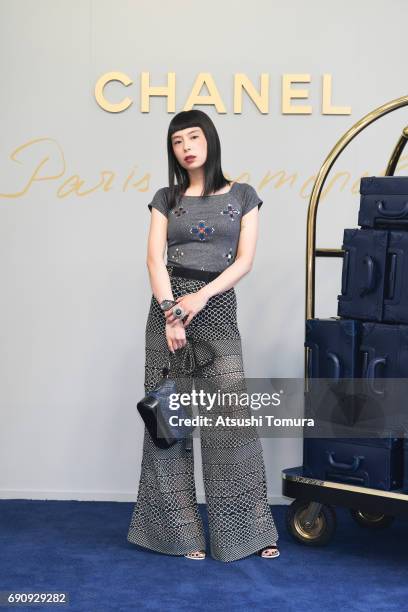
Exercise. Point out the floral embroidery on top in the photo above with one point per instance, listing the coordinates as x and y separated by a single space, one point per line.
202 230
179 211
178 253
228 256
230 211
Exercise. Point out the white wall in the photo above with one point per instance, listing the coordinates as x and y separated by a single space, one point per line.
75 291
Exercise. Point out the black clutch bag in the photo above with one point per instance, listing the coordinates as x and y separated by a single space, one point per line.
155 408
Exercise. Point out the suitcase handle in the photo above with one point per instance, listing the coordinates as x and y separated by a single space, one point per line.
392 214
370 374
369 285
391 285
310 363
336 362
350 467
344 274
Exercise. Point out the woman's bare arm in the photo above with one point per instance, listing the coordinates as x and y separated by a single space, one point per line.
159 276
156 247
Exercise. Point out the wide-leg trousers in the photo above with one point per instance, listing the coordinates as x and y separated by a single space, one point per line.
165 517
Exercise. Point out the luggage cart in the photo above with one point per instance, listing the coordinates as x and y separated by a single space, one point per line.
311 517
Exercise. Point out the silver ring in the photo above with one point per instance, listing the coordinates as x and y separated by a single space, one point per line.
178 312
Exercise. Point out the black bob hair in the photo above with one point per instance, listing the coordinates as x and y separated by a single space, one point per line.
214 179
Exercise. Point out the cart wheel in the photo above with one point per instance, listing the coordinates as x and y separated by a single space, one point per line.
372 520
318 534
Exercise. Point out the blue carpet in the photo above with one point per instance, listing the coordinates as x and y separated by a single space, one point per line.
81 548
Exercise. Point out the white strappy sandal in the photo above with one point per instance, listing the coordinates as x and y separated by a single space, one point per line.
275 552
197 555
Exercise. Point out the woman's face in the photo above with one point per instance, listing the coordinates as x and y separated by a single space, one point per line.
190 142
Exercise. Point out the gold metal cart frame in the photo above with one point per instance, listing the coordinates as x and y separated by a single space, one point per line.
311 518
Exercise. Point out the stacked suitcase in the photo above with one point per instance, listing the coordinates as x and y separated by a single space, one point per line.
367 343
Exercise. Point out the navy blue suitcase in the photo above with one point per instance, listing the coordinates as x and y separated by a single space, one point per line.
375 281
333 347
332 365
384 350
384 202
405 469
395 305
366 462
382 390
363 274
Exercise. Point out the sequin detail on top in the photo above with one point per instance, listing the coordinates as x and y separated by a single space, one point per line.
206 230
179 211
202 230
228 256
177 255
231 211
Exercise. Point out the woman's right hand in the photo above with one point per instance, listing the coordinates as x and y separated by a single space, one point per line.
175 335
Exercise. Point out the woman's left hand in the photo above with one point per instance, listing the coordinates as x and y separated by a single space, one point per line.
191 303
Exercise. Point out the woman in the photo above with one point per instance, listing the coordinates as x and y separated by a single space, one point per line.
210 227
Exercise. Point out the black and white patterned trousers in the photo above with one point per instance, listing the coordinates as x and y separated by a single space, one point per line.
165 517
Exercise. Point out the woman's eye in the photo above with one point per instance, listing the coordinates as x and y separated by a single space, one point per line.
178 141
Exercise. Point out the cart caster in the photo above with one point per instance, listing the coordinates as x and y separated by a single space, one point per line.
372 520
311 523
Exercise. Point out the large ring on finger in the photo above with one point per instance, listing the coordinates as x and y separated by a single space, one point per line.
178 312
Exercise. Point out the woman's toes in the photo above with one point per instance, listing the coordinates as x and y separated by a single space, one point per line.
196 553
269 552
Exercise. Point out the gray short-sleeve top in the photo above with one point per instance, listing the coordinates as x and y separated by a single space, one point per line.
203 233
